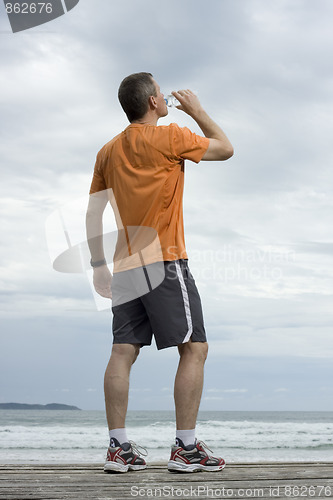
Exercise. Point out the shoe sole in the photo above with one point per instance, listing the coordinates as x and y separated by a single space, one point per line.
179 467
137 467
115 467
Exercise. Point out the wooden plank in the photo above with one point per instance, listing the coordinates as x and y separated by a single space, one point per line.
88 481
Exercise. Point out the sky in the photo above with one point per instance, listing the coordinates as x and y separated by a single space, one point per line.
258 227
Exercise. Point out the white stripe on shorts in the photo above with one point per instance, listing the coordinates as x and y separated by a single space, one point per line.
186 303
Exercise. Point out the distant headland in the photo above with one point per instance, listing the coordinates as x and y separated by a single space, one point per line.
23 406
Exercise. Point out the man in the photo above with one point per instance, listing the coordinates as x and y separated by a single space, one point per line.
143 169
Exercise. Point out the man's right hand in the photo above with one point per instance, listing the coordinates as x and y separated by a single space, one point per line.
220 148
102 279
189 102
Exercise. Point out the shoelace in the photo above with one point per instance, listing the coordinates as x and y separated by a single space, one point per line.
204 445
136 448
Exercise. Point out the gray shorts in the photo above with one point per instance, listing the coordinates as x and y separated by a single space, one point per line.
171 311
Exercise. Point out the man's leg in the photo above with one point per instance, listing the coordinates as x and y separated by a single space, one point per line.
188 454
121 456
189 383
116 383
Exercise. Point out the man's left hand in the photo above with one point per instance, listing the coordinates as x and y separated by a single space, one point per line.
102 281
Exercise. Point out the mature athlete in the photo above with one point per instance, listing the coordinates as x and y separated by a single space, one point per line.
141 173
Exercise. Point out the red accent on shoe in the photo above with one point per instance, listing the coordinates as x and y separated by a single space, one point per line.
181 458
111 456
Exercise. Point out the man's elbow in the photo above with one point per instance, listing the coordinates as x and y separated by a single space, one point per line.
226 152
90 214
229 152
218 150
94 216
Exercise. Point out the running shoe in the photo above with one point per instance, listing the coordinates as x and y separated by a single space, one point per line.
193 458
124 457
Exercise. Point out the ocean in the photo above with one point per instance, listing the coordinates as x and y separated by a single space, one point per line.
52 436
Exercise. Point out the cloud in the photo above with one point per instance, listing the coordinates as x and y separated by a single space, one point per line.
261 71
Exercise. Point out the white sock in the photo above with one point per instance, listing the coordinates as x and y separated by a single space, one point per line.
187 436
119 434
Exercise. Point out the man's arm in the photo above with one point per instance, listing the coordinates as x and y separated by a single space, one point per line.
220 148
94 229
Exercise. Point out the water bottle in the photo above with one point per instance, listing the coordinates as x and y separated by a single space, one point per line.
171 101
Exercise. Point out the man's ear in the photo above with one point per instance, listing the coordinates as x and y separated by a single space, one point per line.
152 102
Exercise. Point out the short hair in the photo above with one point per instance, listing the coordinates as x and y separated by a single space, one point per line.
133 94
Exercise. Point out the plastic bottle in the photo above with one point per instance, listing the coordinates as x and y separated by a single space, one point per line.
171 101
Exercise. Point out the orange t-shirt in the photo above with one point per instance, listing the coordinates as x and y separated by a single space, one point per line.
144 168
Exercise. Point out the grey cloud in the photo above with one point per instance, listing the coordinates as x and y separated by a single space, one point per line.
262 71
316 247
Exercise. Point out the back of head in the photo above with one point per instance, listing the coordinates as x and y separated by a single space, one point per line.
133 94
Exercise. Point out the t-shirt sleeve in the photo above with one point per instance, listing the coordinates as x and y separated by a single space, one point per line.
98 181
186 144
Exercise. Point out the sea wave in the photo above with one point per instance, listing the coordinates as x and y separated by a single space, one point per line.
83 437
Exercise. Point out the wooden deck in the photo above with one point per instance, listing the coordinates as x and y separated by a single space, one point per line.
89 481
